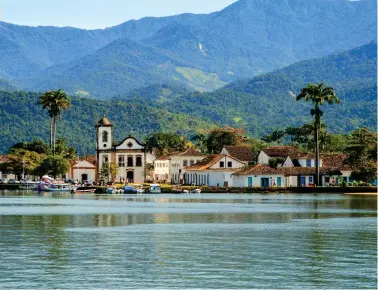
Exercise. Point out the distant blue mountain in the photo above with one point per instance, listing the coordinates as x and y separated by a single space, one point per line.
204 52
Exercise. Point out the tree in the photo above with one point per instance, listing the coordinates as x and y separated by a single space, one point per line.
113 170
363 154
104 173
217 138
54 102
38 146
52 165
166 143
318 94
21 161
64 150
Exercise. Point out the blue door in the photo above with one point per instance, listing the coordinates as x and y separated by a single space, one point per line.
279 181
249 181
264 182
302 181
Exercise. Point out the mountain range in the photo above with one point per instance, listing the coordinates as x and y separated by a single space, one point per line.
202 52
259 104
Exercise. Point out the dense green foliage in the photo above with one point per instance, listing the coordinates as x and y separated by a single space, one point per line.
165 143
247 38
22 119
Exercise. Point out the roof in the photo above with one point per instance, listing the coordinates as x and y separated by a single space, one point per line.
288 171
104 122
279 151
335 161
206 163
243 153
189 152
257 170
3 158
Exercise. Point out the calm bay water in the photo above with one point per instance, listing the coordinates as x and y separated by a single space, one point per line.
187 241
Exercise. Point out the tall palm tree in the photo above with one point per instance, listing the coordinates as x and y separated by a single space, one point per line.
46 100
54 102
318 94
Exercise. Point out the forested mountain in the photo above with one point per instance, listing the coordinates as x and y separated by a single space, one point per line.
205 52
22 119
267 102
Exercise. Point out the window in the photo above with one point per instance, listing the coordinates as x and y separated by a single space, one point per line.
105 159
139 161
121 161
105 136
130 162
221 164
129 144
308 163
310 180
191 162
185 163
229 164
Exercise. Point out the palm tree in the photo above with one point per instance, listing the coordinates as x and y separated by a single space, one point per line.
54 102
318 94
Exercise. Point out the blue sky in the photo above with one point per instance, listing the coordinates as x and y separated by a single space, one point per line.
92 14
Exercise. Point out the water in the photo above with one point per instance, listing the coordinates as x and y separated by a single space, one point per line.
187 241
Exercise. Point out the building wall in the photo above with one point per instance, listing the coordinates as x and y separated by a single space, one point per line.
138 171
303 162
100 142
262 158
242 180
288 163
210 178
225 160
161 170
77 174
177 164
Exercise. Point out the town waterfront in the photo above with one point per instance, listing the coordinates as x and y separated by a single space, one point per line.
187 241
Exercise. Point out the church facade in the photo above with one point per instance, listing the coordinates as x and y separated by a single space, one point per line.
129 155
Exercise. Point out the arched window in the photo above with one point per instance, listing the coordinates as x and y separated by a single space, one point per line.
130 161
139 161
105 136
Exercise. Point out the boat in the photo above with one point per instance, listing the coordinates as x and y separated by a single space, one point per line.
197 190
29 185
128 189
111 190
85 189
57 187
138 189
155 188
185 191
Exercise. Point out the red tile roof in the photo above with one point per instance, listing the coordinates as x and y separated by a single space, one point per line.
279 151
205 163
189 152
242 153
257 170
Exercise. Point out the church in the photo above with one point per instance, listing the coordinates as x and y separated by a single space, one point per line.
129 154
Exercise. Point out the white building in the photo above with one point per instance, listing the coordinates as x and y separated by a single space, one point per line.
82 170
169 168
242 153
277 153
214 170
129 155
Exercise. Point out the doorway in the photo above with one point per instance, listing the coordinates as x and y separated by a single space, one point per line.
265 182
84 177
130 176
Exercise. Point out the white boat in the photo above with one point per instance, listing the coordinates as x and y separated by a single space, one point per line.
197 190
111 190
58 187
155 188
138 189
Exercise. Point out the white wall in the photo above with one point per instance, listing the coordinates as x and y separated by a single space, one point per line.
132 142
288 162
262 158
242 180
104 145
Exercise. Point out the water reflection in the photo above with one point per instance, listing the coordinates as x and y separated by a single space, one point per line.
191 241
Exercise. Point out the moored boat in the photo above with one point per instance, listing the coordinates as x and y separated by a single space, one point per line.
56 187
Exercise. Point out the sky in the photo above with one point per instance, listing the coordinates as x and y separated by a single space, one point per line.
92 14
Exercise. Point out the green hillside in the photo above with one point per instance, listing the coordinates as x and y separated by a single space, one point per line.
267 102
21 119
